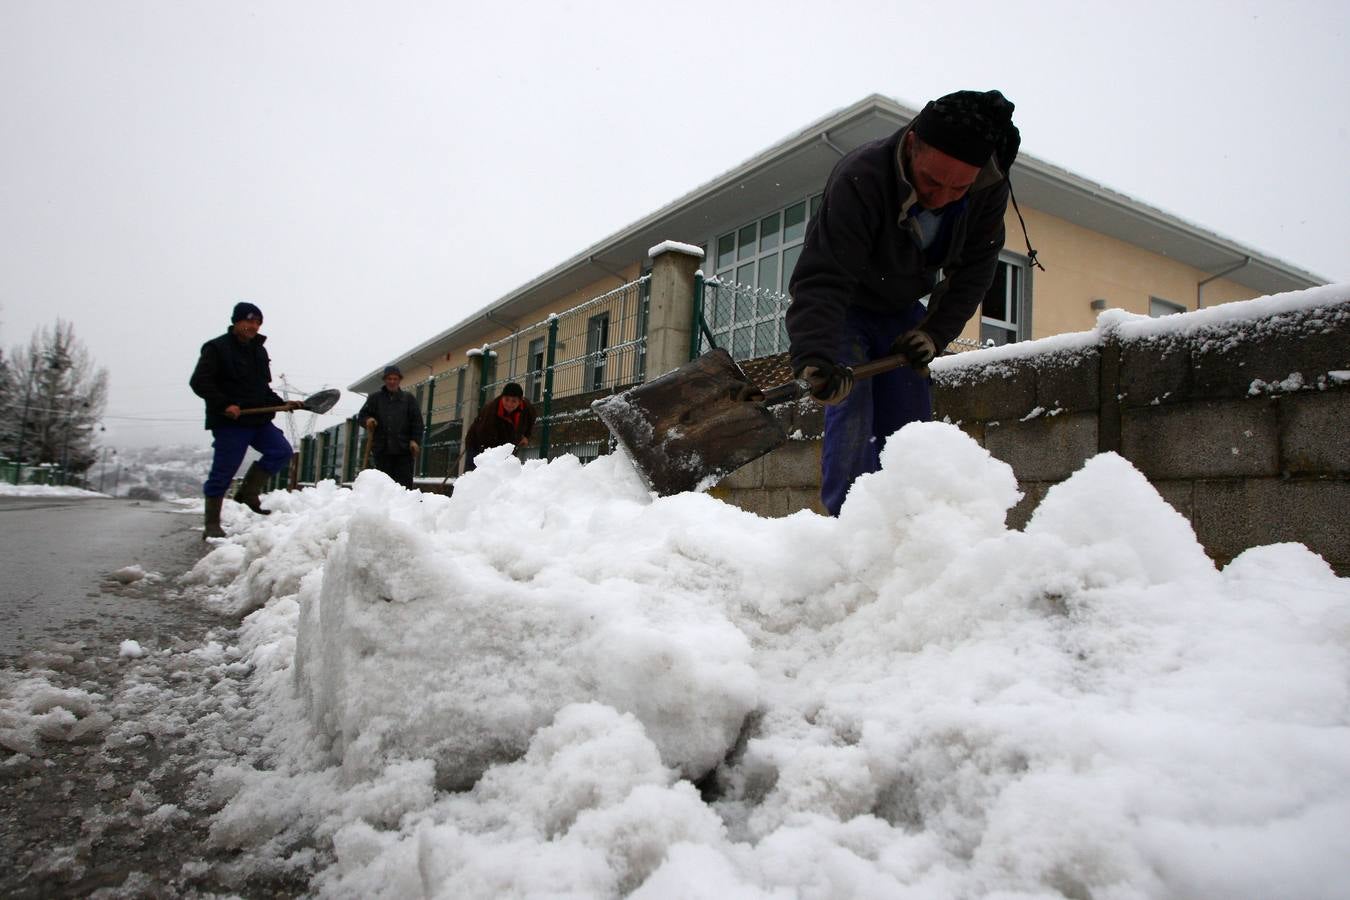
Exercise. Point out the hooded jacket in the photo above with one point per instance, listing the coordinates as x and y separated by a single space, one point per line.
230 371
862 248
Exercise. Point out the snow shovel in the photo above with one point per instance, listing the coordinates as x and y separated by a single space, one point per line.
704 420
321 402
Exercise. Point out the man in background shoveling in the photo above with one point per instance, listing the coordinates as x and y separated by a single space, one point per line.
395 424
234 373
897 212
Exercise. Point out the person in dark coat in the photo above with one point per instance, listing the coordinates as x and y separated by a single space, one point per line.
396 427
895 213
233 373
507 419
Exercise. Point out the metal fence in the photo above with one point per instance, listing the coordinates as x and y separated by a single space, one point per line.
563 361
443 400
749 322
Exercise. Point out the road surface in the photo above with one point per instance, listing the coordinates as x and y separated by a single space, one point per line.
57 554
106 759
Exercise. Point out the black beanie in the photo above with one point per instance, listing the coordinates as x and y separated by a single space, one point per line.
245 310
513 390
970 126
392 370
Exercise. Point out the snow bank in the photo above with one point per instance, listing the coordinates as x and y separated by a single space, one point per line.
910 700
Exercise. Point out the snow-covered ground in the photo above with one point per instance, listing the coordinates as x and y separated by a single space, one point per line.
554 684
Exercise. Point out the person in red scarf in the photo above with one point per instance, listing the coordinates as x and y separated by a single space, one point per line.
507 419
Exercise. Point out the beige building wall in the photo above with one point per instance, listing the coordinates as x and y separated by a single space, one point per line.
517 362
1082 265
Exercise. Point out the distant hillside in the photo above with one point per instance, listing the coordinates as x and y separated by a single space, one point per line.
154 472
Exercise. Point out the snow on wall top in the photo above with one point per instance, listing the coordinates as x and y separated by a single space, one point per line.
1319 307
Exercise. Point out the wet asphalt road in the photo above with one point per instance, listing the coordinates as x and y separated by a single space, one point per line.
114 801
56 555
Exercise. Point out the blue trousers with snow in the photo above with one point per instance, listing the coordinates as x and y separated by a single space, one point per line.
856 429
232 442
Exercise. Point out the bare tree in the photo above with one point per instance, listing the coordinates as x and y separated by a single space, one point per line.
56 396
9 428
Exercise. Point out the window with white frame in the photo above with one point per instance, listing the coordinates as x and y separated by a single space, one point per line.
534 370
1003 315
763 253
1158 307
597 341
753 264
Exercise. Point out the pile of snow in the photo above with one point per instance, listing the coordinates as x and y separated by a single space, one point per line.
511 692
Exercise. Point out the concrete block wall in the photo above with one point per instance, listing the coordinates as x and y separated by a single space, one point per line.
1238 415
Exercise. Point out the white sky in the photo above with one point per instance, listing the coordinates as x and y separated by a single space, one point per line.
369 174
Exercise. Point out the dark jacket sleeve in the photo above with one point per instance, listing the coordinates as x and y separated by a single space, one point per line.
527 417
415 426
367 411
960 295
474 438
837 248
205 381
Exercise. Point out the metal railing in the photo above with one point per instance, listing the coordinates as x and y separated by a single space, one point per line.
565 360
748 321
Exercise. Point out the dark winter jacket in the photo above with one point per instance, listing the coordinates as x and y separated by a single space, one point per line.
399 421
859 249
494 427
230 371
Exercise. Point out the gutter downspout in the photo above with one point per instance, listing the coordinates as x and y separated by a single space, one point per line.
1200 286
825 139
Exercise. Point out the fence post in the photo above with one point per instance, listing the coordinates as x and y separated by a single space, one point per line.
548 384
671 329
474 396
695 335
426 428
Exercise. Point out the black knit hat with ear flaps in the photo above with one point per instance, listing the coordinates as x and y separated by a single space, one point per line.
971 126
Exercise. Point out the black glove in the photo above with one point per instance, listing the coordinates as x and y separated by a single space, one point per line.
916 346
830 383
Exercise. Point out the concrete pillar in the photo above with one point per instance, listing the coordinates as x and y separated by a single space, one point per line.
473 372
670 310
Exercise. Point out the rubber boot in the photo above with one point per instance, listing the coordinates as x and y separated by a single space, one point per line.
248 492
213 529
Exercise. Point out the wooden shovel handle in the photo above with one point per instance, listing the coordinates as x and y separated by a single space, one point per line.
800 387
267 409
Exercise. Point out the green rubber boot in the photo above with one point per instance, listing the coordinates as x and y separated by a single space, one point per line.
248 494
213 529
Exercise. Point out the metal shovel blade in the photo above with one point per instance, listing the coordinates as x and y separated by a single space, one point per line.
321 402
690 427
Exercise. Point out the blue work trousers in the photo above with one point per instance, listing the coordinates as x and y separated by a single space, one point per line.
232 442
856 429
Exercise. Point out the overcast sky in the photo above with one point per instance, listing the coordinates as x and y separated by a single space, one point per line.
371 173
